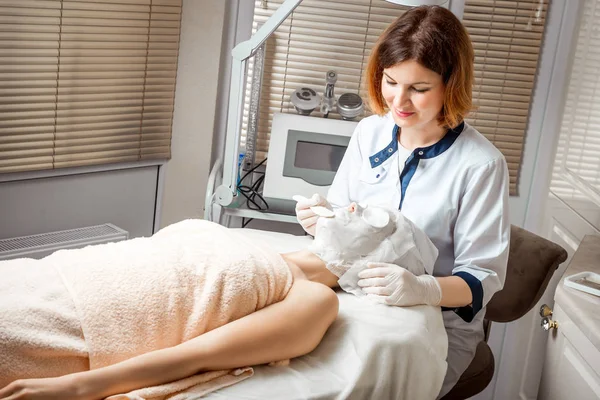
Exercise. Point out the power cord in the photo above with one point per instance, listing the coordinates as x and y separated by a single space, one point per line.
254 198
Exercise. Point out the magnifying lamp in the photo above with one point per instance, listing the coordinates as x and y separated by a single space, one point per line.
225 193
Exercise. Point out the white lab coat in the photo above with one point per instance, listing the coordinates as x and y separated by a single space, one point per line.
456 191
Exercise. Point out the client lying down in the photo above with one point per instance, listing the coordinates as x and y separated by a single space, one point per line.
184 312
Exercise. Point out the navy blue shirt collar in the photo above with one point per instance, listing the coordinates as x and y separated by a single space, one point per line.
421 152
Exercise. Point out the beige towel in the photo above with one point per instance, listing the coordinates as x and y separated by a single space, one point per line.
40 333
150 293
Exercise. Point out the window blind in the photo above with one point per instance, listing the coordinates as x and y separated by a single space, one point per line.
576 171
86 82
336 34
507 37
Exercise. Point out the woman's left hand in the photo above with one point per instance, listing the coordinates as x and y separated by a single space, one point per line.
393 285
42 389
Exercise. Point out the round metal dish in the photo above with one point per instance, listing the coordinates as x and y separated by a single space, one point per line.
350 105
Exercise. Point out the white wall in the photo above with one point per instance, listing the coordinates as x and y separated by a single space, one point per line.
195 107
48 201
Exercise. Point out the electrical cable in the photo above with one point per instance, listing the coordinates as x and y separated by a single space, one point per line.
254 198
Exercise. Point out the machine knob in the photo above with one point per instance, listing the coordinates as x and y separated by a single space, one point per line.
548 324
545 311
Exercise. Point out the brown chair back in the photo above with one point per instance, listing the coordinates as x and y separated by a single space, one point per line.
531 262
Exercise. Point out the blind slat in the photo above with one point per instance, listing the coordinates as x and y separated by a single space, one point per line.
95 6
109 136
30 12
34 4
105 23
142 2
66 148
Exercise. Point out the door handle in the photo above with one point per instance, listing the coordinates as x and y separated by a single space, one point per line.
547 323
545 311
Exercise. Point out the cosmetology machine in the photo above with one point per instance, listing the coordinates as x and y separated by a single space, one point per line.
304 154
304 151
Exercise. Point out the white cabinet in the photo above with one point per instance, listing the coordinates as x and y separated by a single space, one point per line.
572 363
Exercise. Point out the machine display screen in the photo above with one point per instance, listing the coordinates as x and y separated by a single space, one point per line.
319 156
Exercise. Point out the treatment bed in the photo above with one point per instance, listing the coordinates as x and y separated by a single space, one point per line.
372 351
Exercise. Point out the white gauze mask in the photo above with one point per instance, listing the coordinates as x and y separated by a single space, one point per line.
347 241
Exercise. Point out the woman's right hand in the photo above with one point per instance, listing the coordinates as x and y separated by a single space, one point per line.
307 217
63 387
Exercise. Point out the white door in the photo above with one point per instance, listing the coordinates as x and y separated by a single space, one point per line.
572 363
571 116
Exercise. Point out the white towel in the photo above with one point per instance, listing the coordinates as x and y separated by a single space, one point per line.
146 294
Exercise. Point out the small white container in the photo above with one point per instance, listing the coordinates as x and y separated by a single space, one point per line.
305 100
588 282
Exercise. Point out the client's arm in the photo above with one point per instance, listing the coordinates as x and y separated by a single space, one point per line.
287 329
313 267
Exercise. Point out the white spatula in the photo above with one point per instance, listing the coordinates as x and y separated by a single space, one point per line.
318 210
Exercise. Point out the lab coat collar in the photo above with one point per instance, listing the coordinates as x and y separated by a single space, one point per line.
383 155
424 152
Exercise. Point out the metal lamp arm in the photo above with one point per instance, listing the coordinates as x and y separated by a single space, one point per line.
225 193
247 48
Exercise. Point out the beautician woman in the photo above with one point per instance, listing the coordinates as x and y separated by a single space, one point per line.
417 154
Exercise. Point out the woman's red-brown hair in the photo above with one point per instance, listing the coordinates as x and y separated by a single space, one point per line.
437 40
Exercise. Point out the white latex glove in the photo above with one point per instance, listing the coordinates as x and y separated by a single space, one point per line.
305 215
393 285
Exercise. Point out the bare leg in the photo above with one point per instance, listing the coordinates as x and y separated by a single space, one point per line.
287 329
312 266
